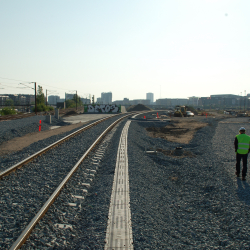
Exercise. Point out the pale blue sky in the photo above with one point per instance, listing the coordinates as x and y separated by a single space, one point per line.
177 48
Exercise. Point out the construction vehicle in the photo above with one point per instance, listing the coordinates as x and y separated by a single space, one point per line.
180 111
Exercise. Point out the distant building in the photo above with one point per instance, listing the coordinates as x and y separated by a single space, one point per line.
150 96
99 100
20 99
125 101
172 102
227 100
118 102
85 100
163 101
53 99
140 101
179 101
193 101
30 99
3 99
106 97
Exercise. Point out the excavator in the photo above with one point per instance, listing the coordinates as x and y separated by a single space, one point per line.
180 111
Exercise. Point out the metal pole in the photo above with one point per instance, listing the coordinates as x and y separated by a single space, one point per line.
35 98
240 100
244 100
46 98
76 99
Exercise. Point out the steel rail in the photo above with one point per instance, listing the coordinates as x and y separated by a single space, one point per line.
30 158
27 231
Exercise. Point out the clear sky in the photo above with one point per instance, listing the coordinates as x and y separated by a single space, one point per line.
172 48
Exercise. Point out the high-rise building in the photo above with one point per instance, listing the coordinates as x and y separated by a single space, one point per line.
53 99
106 97
150 96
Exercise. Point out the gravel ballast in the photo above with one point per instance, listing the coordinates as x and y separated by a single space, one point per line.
176 202
89 220
16 128
189 203
24 192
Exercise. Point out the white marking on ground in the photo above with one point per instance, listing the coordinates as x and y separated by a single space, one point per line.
119 229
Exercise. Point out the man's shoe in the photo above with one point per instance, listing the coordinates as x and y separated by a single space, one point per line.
243 178
237 174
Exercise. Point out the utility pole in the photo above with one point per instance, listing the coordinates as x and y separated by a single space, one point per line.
65 101
35 99
46 98
240 100
76 99
244 100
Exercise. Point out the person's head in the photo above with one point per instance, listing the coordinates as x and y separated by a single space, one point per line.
242 130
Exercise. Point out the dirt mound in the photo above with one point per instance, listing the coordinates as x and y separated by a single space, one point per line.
180 131
72 112
138 107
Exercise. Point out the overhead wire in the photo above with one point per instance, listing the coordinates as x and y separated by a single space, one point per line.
41 84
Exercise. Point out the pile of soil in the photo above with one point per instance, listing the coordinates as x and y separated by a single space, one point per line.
72 112
138 107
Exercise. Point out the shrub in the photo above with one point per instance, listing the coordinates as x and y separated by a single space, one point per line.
41 108
8 111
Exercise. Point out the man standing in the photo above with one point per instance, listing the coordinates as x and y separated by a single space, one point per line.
242 145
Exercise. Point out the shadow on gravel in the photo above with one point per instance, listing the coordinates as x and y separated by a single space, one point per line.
243 191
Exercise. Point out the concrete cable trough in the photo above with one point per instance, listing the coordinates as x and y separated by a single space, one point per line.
119 230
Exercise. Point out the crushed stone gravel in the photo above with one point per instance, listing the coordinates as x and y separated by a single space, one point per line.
176 202
16 128
192 202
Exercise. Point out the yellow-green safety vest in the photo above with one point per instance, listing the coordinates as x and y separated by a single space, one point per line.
243 143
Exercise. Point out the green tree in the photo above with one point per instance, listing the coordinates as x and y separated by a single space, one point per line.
70 103
79 102
40 99
9 102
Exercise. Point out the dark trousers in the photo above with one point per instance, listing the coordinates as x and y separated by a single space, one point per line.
244 159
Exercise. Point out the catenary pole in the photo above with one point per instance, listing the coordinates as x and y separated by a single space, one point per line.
35 99
76 99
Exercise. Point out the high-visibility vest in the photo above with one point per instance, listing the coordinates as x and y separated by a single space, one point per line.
243 143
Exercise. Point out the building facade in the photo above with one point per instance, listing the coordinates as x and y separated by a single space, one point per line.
106 97
53 99
150 96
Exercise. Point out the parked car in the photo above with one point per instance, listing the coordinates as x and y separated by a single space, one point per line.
190 114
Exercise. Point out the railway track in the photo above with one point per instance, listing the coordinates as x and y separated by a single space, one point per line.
21 174
44 150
